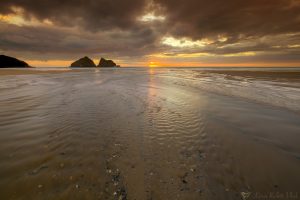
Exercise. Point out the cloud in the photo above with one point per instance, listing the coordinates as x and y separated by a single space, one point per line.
92 14
50 42
232 18
218 30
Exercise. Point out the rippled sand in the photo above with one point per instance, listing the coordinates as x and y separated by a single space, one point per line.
149 134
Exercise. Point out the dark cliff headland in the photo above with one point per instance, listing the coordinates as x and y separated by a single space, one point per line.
11 62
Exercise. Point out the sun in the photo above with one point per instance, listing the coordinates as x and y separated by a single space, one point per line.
153 64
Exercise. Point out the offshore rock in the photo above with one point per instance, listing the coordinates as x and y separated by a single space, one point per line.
83 62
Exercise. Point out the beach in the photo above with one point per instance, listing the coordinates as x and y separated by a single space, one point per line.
150 133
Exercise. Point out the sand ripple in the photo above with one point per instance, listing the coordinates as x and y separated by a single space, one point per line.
147 134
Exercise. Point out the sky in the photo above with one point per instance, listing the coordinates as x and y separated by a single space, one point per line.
155 33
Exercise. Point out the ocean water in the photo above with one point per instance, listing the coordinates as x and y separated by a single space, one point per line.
150 133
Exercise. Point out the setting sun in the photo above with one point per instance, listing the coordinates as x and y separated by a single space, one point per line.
153 64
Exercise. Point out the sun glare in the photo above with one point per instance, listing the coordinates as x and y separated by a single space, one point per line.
153 64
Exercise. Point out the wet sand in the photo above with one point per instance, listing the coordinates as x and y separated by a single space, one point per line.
146 134
26 71
263 75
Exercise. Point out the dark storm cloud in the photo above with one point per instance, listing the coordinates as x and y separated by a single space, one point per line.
194 18
56 43
100 26
111 27
205 18
93 14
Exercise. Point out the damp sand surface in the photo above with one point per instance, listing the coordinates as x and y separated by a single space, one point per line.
150 134
26 71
